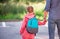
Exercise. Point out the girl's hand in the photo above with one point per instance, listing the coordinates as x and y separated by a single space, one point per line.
45 21
20 33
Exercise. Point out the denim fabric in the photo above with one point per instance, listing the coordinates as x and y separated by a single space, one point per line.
52 23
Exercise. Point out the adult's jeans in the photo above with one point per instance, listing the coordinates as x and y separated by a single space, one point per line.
51 27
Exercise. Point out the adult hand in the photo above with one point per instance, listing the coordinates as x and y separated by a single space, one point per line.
45 14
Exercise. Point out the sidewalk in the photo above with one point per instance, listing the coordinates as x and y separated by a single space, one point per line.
12 32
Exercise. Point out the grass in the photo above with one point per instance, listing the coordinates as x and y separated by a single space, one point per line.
21 11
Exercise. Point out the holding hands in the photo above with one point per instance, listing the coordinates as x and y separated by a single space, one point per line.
45 15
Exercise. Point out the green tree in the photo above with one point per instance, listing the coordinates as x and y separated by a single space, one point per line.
3 1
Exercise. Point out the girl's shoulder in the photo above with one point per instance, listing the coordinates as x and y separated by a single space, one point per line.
29 15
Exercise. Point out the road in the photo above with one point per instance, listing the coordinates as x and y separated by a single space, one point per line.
11 31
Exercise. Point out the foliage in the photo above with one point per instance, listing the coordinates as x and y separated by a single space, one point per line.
4 1
7 8
16 9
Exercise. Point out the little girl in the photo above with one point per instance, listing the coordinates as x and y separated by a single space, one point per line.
23 31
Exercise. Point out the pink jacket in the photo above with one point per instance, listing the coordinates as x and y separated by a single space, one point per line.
23 31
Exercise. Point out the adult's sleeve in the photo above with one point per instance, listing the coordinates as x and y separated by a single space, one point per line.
48 5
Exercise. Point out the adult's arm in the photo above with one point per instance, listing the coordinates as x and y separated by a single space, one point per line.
47 8
48 5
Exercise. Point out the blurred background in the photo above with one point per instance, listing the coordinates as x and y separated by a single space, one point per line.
16 9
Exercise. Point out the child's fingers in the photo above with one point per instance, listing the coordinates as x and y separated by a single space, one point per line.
20 33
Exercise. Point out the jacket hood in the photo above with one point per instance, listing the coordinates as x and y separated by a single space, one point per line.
30 15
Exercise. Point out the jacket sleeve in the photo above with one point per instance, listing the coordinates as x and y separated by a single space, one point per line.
48 5
42 22
23 25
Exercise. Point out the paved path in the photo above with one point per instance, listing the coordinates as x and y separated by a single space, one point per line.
11 31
